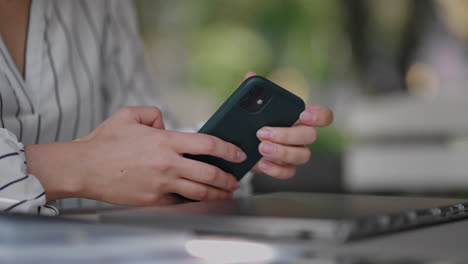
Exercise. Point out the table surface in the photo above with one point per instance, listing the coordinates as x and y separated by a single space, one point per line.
447 241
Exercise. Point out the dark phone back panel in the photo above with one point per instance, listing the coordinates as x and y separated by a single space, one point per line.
233 123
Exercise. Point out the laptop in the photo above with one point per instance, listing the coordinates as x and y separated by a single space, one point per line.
304 216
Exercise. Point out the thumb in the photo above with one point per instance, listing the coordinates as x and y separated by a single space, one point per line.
248 75
146 115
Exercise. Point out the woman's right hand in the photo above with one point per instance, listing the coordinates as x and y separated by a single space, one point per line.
130 159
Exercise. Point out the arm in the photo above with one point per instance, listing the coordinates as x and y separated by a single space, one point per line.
20 191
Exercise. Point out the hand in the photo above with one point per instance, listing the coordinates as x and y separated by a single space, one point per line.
131 160
284 148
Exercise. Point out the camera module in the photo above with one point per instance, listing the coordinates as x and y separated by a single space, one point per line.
255 99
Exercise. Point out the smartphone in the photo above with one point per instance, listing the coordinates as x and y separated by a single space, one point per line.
257 102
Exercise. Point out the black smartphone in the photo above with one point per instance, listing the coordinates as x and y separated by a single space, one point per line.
257 102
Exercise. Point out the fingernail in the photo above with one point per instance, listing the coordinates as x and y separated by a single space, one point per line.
240 155
264 133
267 147
308 117
264 166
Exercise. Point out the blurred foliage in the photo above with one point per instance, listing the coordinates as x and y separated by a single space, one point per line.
221 53
329 139
225 39
232 37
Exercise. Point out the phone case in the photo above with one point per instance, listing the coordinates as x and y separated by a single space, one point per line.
235 124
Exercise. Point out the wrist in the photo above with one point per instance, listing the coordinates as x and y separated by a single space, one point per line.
59 167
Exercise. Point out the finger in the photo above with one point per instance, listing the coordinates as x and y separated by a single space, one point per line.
202 144
207 174
298 135
316 115
146 115
285 154
199 192
248 75
275 170
255 168
159 123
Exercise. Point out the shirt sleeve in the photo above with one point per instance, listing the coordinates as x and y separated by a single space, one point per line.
19 192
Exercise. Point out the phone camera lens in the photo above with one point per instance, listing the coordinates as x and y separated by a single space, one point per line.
256 98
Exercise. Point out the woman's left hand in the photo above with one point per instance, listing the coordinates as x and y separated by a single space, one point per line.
285 147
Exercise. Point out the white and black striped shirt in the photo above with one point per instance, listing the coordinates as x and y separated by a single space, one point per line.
83 60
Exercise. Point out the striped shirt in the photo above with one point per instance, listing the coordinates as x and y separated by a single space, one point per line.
83 60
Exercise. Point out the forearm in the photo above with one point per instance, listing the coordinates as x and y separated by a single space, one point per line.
59 167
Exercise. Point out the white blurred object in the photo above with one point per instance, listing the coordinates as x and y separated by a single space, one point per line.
408 144
229 251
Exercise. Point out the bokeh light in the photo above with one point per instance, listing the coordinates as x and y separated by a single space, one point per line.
229 251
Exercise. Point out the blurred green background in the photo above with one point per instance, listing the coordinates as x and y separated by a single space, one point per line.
290 42
369 60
